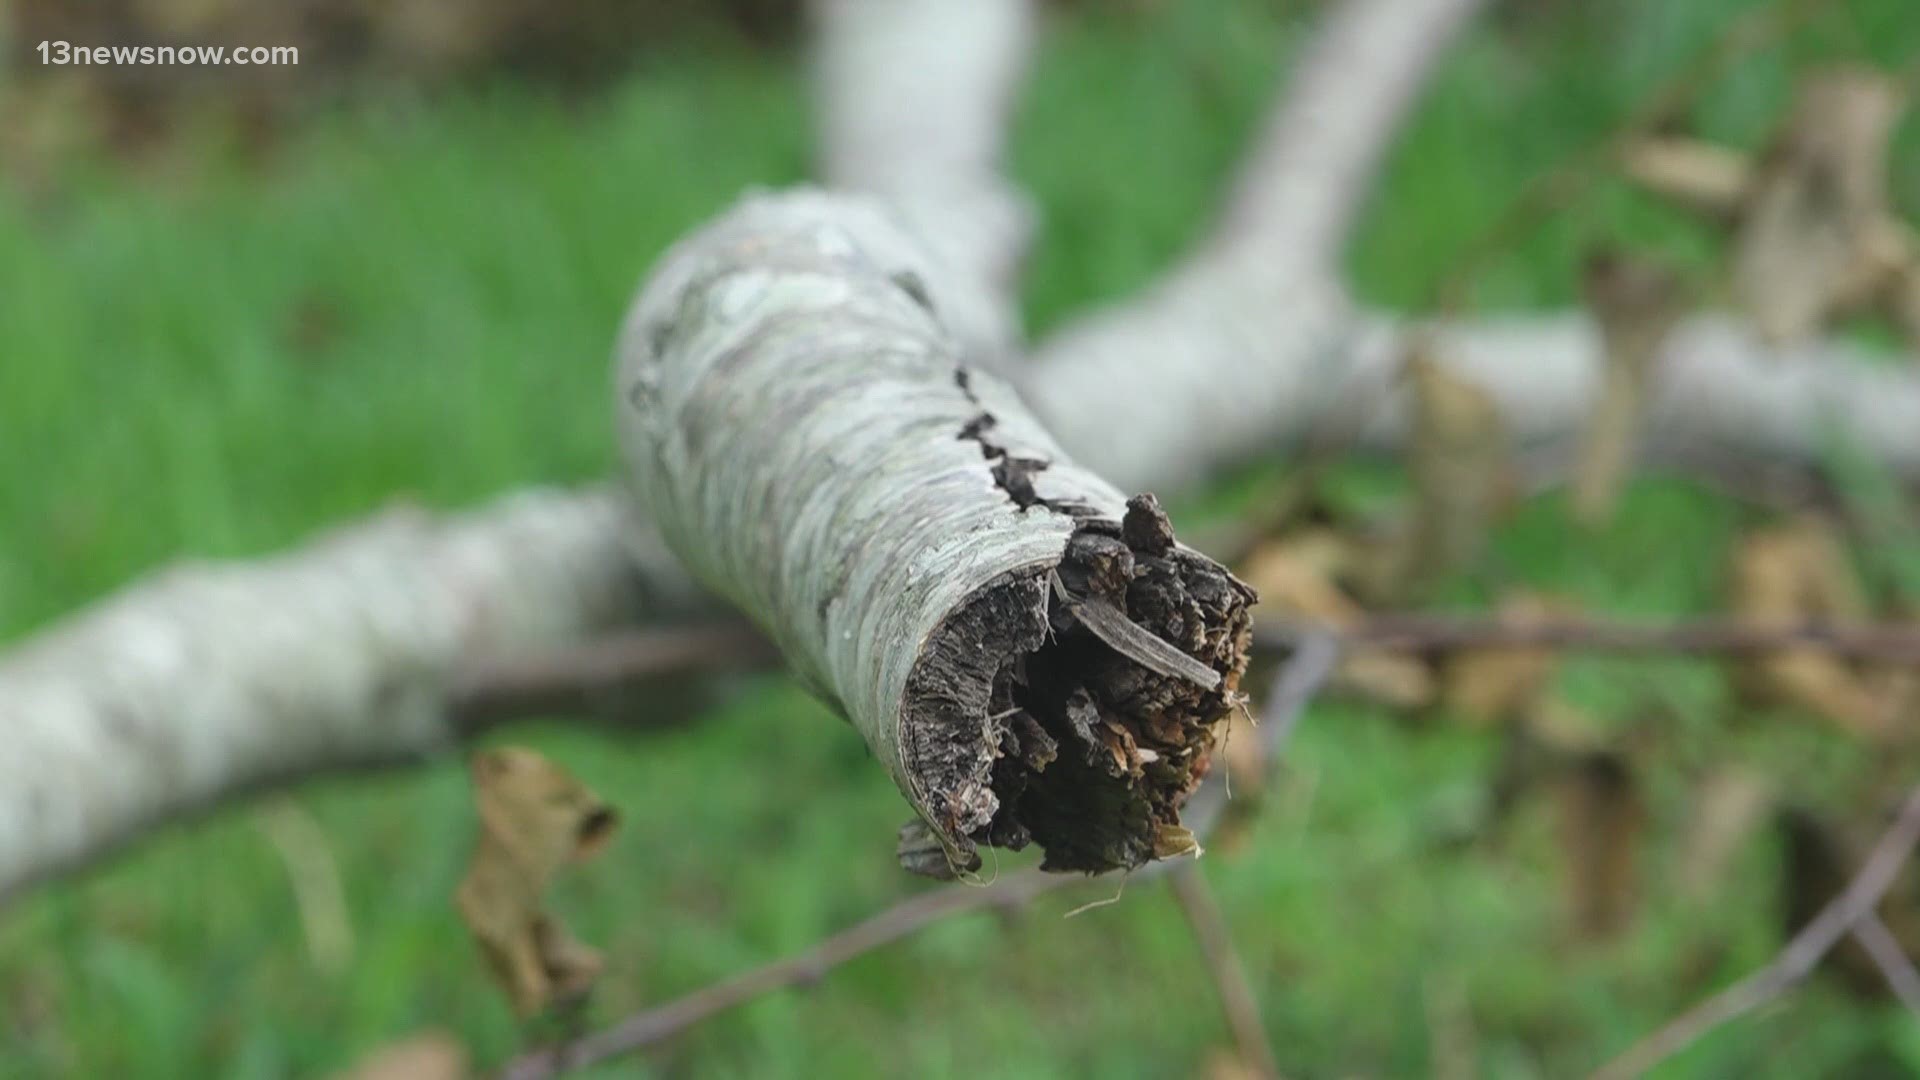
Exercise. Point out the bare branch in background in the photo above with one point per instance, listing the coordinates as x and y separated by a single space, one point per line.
1229 975
1718 389
602 676
209 680
1891 958
1898 642
1293 688
1220 358
913 100
1794 963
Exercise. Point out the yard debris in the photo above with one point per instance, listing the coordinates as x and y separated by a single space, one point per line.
1815 236
1297 575
1487 687
1462 468
1791 574
1602 818
535 818
1637 301
425 1055
1728 806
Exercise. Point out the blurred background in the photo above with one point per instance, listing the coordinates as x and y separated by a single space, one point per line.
240 305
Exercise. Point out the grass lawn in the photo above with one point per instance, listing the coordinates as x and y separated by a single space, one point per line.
418 299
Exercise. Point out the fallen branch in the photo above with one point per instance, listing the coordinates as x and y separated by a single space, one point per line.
207 681
1794 963
800 425
1293 688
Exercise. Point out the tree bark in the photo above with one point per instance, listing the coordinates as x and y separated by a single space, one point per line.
208 680
1028 655
1228 352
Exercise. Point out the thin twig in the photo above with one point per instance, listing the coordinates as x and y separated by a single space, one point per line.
594 676
597 675
1891 959
1197 903
1893 641
1793 963
1294 687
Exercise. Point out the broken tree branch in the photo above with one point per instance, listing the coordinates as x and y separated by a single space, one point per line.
1794 963
799 423
1294 686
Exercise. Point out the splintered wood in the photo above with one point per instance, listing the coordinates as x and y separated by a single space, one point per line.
1030 655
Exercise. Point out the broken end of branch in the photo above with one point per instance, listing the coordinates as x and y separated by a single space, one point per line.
1075 705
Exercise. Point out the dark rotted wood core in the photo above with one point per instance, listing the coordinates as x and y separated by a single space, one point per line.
1076 707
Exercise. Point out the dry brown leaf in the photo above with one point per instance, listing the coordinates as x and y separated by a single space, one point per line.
535 818
1602 816
1295 576
429 1055
1788 575
1461 465
1227 1064
1637 301
1729 805
1494 686
1701 175
1818 196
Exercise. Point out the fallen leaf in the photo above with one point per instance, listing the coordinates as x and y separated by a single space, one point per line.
1493 686
535 818
1728 807
1637 301
1602 816
1460 461
1803 250
429 1055
1706 177
1295 576
1788 575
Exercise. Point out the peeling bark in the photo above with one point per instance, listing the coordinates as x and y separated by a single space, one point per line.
800 423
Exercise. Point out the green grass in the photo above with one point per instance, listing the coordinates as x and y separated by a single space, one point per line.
419 301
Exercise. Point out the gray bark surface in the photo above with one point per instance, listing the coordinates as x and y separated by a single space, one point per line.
211 679
801 425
